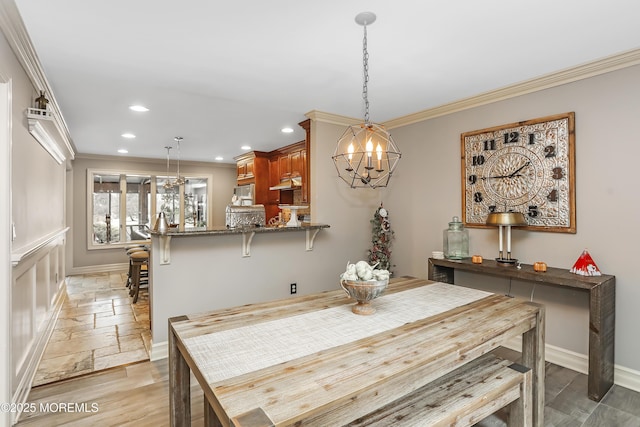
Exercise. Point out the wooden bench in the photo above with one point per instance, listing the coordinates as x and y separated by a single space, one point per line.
462 398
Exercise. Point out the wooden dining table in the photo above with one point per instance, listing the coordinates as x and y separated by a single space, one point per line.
311 361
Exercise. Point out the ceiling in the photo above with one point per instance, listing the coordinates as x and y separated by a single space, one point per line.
222 74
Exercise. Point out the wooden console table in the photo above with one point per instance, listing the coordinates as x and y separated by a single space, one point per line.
602 307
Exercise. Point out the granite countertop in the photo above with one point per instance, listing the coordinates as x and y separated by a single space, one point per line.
221 230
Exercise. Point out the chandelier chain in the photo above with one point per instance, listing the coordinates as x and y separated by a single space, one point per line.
365 88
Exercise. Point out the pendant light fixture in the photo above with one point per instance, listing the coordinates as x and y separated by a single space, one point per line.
167 183
179 180
366 154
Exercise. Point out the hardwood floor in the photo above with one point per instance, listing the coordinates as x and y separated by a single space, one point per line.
137 394
132 395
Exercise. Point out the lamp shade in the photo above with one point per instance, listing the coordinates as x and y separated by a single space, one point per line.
506 218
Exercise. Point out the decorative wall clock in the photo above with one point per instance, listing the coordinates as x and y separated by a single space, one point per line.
526 167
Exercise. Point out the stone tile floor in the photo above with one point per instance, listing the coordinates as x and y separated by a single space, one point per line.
567 404
98 328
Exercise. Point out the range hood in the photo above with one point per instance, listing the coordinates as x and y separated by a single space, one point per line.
288 184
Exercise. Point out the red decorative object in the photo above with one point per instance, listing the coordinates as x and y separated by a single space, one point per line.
585 266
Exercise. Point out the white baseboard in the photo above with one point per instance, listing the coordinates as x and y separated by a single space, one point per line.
627 378
622 376
159 351
106 268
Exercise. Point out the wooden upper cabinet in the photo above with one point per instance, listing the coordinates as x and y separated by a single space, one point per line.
284 165
245 169
249 169
291 160
296 159
253 168
274 179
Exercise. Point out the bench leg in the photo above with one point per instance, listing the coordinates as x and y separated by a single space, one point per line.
520 411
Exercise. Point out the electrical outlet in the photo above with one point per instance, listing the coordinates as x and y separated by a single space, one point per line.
294 288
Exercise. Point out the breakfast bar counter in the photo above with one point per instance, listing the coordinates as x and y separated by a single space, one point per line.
221 230
247 234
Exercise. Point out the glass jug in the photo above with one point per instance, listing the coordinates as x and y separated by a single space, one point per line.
456 240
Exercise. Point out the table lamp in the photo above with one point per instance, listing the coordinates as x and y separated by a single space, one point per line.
505 220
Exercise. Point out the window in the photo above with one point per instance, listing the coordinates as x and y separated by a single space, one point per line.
106 208
122 206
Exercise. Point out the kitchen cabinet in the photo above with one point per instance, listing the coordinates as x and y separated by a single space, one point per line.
250 165
284 166
296 162
291 160
253 168
245 169
270 169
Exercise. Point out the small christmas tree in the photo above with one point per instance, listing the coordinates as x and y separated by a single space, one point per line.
381 237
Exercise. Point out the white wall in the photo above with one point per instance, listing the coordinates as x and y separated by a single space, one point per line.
607 108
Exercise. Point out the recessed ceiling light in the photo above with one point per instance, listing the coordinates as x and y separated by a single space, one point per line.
245 147
218 158
139 108
123 151
287 130
128 135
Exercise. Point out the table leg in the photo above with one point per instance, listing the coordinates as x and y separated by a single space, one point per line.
179 382
533 357
210 417
602 323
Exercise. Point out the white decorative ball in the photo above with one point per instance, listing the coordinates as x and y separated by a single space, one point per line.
383 212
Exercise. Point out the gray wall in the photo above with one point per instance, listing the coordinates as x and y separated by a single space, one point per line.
607 108
223 176
36 208
37 180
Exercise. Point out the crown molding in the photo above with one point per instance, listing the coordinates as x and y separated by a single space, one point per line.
336 119
569 75
18 38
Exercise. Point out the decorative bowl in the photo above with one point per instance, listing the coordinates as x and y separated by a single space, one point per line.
363 291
